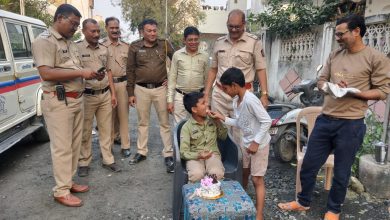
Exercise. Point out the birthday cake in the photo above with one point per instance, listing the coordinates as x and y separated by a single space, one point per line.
210 187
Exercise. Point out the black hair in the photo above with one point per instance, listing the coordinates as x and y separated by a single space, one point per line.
191 99
237 12
89 20
354 21
111 19
233 75
66 10
191 30
145 22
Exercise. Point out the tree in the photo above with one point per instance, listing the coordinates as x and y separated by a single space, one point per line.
181 13
33 8
295 16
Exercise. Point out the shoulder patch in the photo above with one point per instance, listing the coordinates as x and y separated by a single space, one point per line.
253 36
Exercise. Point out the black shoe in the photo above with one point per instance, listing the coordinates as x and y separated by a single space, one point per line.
117 141
137 158
170 164
83 171
126 152
112 167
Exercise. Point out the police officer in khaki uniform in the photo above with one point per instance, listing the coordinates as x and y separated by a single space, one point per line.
244 51
58 63
117 61
147 84
99 99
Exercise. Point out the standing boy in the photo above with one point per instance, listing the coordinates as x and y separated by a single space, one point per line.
198 140
254 122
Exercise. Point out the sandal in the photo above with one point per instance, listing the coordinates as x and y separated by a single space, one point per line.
331 216
293 206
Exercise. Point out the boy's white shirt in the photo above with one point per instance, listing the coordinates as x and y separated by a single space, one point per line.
252 119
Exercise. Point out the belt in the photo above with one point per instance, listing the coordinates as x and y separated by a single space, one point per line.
247 85
183 93
119 79
96 92
150 85
74 95
330 117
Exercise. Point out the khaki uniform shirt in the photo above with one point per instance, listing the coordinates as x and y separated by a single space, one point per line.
364 70
117 56
246 54
147 64
188 72
94 58
53 50
195 138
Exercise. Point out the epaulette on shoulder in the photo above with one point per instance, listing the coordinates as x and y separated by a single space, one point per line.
122 41
253 36
102 43
102 40
221 38
137 41
78 41
45 34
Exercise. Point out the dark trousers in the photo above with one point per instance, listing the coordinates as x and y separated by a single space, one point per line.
342 136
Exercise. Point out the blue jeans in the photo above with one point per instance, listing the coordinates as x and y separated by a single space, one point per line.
343 137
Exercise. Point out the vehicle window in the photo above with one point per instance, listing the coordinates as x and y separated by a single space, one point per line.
2 52
20 41
37 31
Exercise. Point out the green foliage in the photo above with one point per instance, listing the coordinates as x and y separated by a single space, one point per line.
180 15
33 8
373 134
285 18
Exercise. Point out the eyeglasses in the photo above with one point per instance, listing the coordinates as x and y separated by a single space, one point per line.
340 34
237 27
75 25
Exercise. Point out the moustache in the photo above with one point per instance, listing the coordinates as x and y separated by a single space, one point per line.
114 32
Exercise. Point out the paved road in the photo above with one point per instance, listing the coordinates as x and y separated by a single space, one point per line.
138 192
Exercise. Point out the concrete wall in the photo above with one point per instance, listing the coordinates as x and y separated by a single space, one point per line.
305 69
377 7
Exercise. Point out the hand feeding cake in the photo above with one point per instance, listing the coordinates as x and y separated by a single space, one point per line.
210 187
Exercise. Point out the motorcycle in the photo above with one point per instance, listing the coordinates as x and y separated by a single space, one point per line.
283 128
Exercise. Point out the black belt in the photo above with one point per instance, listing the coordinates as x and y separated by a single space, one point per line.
96 92
119 79
183 93
330 117
150 85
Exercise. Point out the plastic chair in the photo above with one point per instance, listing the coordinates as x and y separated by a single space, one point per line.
310 114
231 159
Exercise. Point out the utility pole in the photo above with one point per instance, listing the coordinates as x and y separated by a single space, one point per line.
22 12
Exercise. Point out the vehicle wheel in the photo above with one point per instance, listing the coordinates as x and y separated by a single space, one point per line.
284 148
41 134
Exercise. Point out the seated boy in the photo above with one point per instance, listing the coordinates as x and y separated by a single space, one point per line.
254 122
198 140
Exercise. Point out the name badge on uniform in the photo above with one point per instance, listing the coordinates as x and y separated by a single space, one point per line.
142 51
221 51
85 55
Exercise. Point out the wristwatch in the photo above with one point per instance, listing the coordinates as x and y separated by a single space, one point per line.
264 93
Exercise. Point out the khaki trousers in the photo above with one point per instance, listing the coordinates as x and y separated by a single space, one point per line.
223 103
99 106
120 115
145 98
64 124
197 169
179 112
